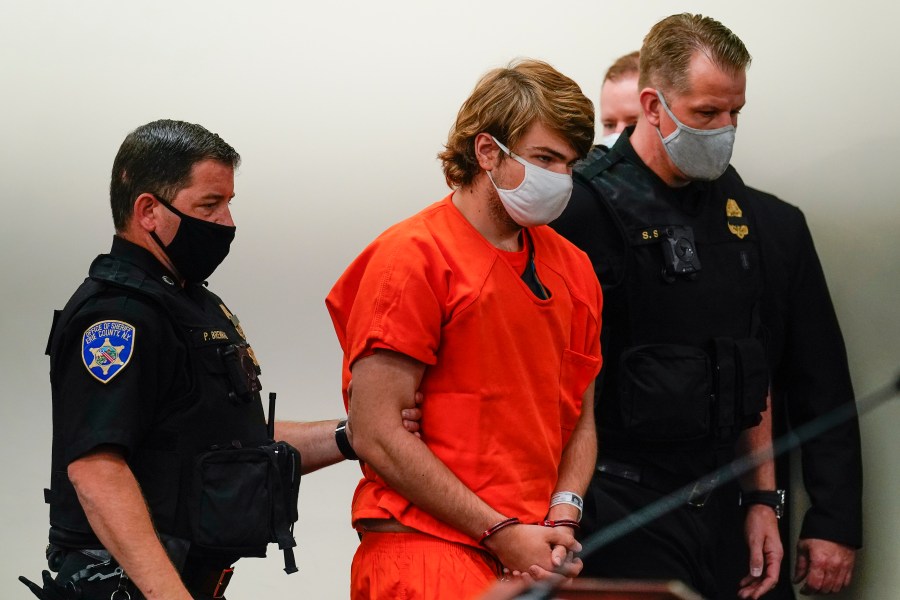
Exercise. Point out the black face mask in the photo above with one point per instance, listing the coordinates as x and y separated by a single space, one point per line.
198 246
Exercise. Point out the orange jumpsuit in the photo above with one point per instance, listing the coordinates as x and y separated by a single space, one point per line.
505 370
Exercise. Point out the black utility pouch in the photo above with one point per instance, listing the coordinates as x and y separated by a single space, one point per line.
287 459
665 392
245 498
742 384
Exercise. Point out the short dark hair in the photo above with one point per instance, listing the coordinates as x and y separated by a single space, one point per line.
157 158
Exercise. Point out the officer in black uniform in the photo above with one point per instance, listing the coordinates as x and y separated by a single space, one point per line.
164 471
810 378
670 229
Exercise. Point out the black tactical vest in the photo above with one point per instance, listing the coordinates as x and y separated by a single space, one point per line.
684 360
210 474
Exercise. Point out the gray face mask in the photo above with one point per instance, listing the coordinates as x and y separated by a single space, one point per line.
698 153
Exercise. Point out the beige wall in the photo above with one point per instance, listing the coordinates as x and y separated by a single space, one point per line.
338 111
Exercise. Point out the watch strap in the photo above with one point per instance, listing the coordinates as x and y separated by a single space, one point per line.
343 442
771 498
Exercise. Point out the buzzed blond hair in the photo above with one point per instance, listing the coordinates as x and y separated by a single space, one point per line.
505 103
670 45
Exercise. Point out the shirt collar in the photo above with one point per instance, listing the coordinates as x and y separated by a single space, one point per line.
141 258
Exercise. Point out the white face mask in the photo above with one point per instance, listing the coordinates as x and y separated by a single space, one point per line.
609 140
698 153
540 198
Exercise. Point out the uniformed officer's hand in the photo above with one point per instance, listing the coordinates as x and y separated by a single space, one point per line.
766 552
412 417
824 567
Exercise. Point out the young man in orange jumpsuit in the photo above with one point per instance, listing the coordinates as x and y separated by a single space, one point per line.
495 318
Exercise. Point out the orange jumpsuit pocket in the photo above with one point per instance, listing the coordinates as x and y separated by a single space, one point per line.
576 373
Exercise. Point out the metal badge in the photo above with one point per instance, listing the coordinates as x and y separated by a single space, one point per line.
735 220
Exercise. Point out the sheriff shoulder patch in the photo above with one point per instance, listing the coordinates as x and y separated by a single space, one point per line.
106 348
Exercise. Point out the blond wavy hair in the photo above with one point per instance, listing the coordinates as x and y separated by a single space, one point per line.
504 103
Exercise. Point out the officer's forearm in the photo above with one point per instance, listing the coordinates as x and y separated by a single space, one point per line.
118 515
758 441
314 440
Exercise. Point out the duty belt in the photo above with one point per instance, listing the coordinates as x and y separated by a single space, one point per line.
98 575
200 579
660 480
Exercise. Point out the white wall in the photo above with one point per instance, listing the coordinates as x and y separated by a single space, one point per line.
338 110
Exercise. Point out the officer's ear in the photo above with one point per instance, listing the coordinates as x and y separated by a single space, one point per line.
145 215
486 151
651 106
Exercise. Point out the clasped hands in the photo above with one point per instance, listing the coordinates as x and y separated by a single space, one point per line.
536 552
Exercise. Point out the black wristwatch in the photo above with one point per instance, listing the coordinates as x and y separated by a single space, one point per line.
772 498
343 443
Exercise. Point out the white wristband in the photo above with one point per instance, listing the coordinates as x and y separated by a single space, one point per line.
570 498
